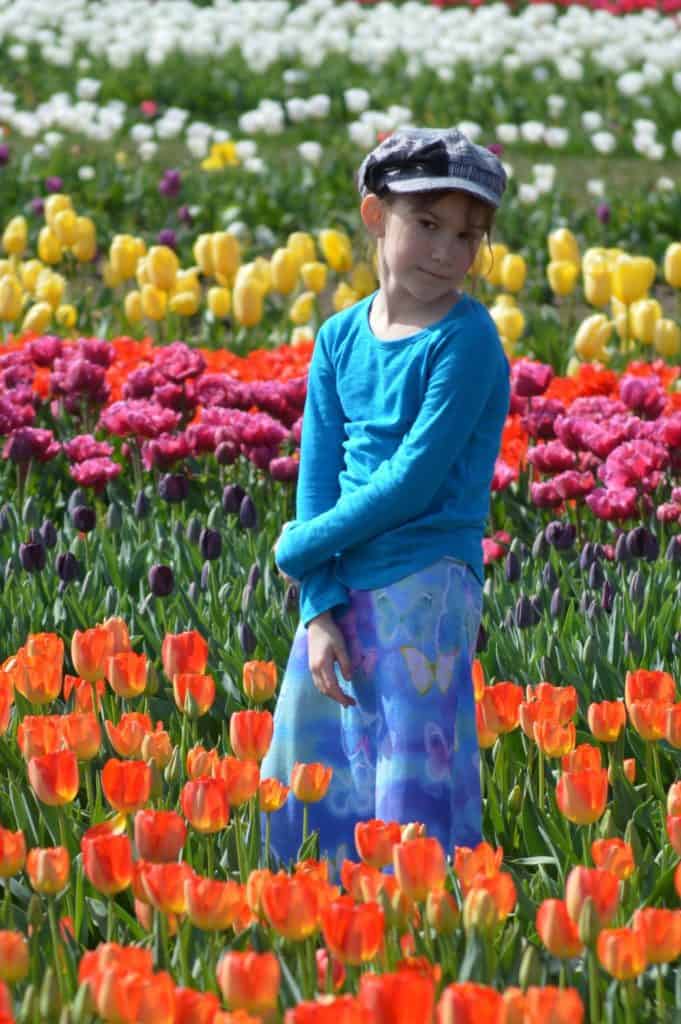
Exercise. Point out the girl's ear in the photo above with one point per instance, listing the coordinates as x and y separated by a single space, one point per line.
372 212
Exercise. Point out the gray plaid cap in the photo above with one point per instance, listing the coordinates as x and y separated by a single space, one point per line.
426 159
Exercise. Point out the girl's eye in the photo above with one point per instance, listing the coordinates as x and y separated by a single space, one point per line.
427 224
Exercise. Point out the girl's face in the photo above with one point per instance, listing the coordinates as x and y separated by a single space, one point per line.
425 248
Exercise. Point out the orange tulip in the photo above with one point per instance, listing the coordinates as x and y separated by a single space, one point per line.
502 890
582 796
466 1002
315 869
648 718
240 778
126 737
255 883
310 782
487 737
6 699
629 769
200 688
157 747
341 1010
400 997
420 866
131 996
292 905
607 719
110 954
250 734
162 885
622 952
12 852
553 739
375 841
661 931
107 862
90 649
82 734
532 712
213 905
481 860
48 868
40 734
614 855
82 691
259 680
48 646
326 963
6 1011
201 761
54 777
582 758
159 835
551 1005
127 673
126 784
13 956
204 804
674 832
352 875
672 726
500 704
249 981
353 932
478 676
562 698
674 799
273 795
649 685
192 1007
602 886
35 678
118 631
557 930
184 652
442 912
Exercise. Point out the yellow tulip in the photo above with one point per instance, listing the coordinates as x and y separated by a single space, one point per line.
203 254
123 255
643 315
592 336
302 335
302 309
222 154
248 301
109 275
187 281
15 236
142 272
563 246
66 316
672 265
133 306
37 318
513 272
85 246
140 246
7 267
262 269
64 226
491 260
50 288
301 244
598 284
503 299
28 273
154 302
219 302
184 303
667 340
509 320
337 249
362 279
314 276
344 296
55 204
595 257
284 271
632 276
620 317
162 266
11 298
482 263
49 246
573 367
226 253
508 346
562 275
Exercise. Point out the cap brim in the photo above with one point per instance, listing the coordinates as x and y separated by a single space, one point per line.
410 185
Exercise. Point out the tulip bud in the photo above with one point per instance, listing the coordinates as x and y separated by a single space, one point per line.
219 302
247 638
232 496
513 272
48 533
161 580
511 567
667 338
32 555
114 518
291 599
247 299
479 911
49 1000
84 518
589 924
248 516
637 588
141 507
563 246
530 970
173 487
622 553
210 544
67 567
672 265
193 591
173 770
549 577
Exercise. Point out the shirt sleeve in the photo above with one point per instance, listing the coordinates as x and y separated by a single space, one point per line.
466 367
318 487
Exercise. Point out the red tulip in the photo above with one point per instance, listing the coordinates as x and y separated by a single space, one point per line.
107 862
213 905
54 777
557 930
12 852
159 835
469 1003
205 805
353 932
622 952
126 784
184 652
48 868
250 734
420 866
582 796
13 956
249 981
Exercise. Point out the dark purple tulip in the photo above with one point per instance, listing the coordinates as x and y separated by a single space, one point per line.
210 544
173 487
171 183
622 553
205 575
226 453
603 213
636 539
253 575
184 216
67 566
549 577
48 533
291 599
141 506
560 535
167 237
232 496
248 515
512 567
193 530
525 613
193 591
607 596
651 547
637 588
586 556
673 552
32 555
596 576
481 642
4 154
247 638
84 518
556 606
161 580
54 183
37 206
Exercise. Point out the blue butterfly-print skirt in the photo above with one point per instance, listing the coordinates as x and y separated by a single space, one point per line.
408 750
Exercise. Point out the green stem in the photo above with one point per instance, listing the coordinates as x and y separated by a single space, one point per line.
586 845
629 1010
659 993
657 773
268 831
240 852
110 922
6 905
56 942
594 1001
306 821
540 782
210 856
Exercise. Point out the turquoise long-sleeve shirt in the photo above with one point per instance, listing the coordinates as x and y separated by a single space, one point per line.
398 447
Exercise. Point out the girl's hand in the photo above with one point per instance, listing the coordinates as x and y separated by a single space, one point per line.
326 646
287 579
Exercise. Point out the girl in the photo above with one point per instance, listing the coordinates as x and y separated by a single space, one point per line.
408 392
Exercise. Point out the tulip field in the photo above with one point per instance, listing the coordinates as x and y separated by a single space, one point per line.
178 215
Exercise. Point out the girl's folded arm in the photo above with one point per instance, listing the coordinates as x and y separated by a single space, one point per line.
401 488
